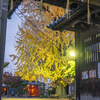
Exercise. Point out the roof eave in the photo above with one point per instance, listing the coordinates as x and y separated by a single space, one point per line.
17 3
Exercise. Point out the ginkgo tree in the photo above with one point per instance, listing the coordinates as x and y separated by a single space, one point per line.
43 54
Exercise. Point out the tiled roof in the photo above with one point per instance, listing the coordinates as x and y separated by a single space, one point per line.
34 83
3 85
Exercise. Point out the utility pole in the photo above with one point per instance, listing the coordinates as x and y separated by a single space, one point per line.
3 22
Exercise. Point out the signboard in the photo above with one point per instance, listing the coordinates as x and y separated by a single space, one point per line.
50 88
85 75
98 70
92 73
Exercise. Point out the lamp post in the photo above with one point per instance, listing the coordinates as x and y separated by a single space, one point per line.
3 21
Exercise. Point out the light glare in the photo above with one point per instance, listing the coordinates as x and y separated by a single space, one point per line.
72 54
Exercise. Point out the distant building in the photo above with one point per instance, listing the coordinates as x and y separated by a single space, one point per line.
33 89
4 89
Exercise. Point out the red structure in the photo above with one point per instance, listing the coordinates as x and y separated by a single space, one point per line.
4 90
33 90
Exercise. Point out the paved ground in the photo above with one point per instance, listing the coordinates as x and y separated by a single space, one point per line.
32 99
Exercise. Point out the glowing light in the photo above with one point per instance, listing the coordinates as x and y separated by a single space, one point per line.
4 89
28 85
72 54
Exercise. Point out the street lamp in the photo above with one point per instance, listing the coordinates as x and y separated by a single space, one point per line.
72 54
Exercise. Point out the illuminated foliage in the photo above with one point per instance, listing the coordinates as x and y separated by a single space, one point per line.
41 52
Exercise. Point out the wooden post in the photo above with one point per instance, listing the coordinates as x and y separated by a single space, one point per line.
3 21
77 60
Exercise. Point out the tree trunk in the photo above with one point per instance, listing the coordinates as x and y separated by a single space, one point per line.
61 91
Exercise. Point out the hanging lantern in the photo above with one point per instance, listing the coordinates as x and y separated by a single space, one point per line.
11 4
41 4
88 13
67 8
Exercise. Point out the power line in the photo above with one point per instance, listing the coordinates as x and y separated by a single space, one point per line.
34 25
23 20
27 18
31 27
